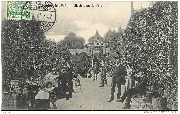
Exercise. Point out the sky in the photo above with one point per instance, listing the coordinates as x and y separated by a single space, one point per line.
84 21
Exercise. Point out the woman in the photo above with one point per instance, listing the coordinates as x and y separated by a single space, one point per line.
129 80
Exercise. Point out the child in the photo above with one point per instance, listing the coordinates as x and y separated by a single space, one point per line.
77 81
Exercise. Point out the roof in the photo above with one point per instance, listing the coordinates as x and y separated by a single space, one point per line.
74 51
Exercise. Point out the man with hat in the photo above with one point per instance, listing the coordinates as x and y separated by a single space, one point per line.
65 81
118 78
103 74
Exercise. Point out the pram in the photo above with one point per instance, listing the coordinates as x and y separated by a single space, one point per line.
45 97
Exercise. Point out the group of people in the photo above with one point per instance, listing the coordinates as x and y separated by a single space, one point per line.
43 92
123 74
59 84
126 76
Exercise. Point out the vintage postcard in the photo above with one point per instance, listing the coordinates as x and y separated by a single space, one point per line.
89 55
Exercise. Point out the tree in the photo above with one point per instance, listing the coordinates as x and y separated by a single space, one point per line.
81 63
151 42
25 51
108 36
113 40
71 41
20 47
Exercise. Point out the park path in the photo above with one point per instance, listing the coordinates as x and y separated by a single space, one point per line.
90 97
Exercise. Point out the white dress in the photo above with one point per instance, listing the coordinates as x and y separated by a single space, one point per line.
128 79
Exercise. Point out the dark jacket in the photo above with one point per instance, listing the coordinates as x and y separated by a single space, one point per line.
120 73
142 84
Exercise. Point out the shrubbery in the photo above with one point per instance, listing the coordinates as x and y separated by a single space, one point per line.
151 40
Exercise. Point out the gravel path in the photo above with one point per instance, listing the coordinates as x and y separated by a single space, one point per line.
90 97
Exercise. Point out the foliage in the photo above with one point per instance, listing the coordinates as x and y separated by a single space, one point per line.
151 42
25 50
113 40
81 63
27 53
71 41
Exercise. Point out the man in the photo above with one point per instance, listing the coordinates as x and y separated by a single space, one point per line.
95 71
118 79
103 74
70 81
89 71
62 82
141 88
65 82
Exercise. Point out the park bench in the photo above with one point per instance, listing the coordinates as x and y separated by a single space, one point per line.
142 102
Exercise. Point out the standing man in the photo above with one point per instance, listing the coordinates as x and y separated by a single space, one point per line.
65 81
117 79
95 71
62 82
103 74
70 81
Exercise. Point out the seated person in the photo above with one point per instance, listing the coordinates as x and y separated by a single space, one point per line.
77 80
138 89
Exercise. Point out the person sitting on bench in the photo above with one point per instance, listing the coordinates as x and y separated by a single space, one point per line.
140 88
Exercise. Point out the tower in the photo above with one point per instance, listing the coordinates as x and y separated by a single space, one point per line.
97 33
132 9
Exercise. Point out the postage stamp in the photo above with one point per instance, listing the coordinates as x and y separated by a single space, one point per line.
14 10
41 11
